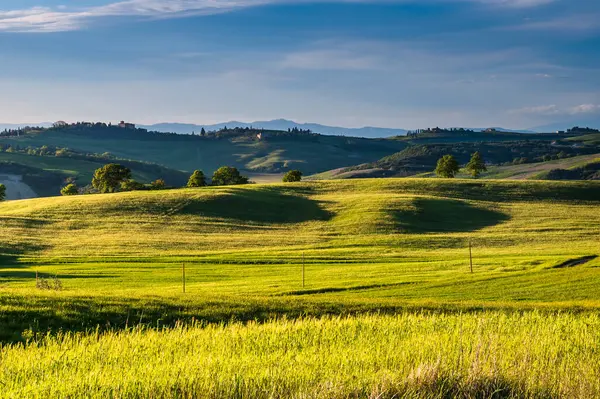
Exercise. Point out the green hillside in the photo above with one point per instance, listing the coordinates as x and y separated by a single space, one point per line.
422 158
549 170
367 281
274 152
46 174
383 243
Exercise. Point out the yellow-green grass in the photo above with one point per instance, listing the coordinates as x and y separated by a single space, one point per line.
367 245
536 170
486 355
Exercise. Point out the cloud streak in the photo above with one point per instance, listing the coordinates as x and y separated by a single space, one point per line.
553 109
58 19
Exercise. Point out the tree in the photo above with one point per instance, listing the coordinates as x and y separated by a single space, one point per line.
476 165
447 167
108 178
69 189
158 184
226 176
2 192
132 185
202 132
292 176
197 179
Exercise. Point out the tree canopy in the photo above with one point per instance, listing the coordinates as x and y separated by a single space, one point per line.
69 189
447 166
227 175
132 185
476 165
2 192
292 176
158 184
108 178
197 179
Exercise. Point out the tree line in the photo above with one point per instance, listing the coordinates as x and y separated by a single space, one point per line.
114 177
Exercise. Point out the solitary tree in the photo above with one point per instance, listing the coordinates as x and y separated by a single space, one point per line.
292 176
108 178
476 165
2 192
197 179
226 176
69 189
202 132
447 167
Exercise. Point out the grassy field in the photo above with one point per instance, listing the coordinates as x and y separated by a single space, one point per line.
397 249
537 170
489 355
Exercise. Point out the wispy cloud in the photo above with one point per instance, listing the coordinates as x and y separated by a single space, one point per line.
46 19
553 109
61 18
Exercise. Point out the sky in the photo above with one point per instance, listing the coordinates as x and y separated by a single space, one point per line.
404 64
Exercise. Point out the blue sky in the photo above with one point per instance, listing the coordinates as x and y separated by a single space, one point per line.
406 63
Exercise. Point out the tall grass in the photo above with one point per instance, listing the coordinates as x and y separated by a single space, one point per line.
491 355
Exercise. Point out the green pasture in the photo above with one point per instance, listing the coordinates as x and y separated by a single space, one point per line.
364 245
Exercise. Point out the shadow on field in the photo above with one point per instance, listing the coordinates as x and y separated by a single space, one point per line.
11 253
261 206
446 215
30 275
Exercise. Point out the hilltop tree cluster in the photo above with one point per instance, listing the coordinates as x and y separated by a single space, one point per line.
114 177
448 166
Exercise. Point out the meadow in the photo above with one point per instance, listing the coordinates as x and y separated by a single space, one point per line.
387 306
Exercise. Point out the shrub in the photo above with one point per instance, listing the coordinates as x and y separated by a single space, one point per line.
292 176
227 175
197 179
69 189
132 185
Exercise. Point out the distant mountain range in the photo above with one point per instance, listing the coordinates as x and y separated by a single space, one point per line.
368 131
279 124
284 124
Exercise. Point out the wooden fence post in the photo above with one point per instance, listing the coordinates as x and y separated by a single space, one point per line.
183 277
470 255
303 271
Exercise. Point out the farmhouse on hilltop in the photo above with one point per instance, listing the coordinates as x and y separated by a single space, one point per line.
125 125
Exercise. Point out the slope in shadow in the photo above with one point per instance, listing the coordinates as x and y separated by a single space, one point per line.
260 206
446 215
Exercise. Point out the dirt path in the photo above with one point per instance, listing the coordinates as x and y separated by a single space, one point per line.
15 188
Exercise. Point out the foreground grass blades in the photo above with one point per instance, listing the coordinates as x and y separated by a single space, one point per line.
491 355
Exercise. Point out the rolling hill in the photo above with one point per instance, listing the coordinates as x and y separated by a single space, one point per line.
274 152
357 278
499 149
46 174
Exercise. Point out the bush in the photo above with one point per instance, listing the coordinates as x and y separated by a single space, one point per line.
292 176
2 192
158 185
227 175
69 189
132 185
197 179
